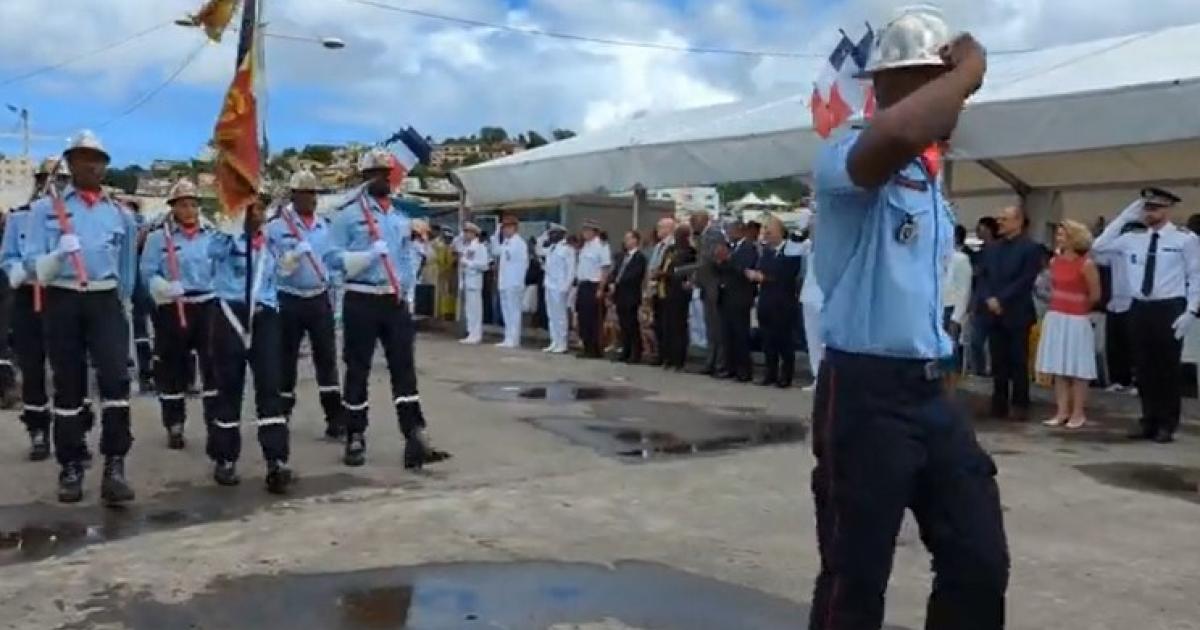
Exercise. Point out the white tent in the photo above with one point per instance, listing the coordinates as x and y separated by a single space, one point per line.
1127 106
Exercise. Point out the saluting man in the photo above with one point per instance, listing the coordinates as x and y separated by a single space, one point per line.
27 332
474 261
560 275
305 305
1162 273
886 438
513 261
83 246
178 274
369 242
242 335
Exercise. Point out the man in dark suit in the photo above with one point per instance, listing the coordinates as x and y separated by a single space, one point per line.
737 300
1008 269
710 241
627 294
777 275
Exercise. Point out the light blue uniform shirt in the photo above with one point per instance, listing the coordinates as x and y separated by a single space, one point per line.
14 245
349 233
107 236
303 280
228 254
880 257
195 265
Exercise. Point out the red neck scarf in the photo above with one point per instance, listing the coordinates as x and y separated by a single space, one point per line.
931 157
190 231
308 221
258 241
90 197
385 203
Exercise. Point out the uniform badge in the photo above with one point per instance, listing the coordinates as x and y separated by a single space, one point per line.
907 232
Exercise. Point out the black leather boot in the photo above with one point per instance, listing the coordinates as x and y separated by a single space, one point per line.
356 450
225 474
39 446
70 484
279 477
114 488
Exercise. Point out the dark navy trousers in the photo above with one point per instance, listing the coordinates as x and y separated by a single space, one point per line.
887 440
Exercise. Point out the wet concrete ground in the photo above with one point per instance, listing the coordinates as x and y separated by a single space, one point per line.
539 521
459 596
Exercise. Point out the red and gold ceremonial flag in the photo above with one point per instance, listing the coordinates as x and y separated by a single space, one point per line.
238 159
215 16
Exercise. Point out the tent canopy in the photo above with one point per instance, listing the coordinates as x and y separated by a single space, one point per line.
1124 93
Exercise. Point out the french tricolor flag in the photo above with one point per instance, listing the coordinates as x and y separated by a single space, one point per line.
408 150
838 94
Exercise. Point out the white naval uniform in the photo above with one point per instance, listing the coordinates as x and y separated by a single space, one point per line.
560 275
812 300
513 259
473 262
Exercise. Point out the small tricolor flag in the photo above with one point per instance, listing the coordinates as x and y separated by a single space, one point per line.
215 16
408 150
838 94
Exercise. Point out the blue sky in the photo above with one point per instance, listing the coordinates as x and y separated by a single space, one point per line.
447 79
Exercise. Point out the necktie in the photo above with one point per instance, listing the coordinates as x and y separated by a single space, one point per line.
1151 261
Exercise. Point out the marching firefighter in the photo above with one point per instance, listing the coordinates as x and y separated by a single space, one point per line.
27 336
242 335
369 243
178 273
142 309
474 261
82 245
305 306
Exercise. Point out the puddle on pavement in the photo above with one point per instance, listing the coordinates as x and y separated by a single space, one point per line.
33 532
647 430
557 392
526 595
1173 481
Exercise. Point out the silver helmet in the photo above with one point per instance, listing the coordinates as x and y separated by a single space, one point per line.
86 140
913 38
303 181
183 189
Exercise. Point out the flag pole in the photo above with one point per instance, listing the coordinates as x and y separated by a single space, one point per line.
246 40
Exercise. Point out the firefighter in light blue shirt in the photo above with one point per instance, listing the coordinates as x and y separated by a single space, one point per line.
370 243
83 247
305 303
178 274
244 335
885 437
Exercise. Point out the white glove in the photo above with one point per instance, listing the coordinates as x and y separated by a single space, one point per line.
16 275
68 244
175 289
379 248
1182 325
302 248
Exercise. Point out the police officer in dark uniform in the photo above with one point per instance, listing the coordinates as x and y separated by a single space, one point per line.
777 273
83 247
305 306
885 436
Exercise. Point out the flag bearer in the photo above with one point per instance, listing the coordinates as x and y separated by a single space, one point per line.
82 245
28 340
474 261
178 273
369 242
305 304
240 336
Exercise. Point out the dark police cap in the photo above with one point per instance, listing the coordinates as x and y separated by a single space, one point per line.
1159 197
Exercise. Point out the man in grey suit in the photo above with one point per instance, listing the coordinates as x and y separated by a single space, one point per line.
709 239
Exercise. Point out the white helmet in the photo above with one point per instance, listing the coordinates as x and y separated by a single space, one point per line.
912 39
53 166
86 140
303 181
375 159
183 189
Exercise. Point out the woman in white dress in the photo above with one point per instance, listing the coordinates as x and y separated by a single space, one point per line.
1067 348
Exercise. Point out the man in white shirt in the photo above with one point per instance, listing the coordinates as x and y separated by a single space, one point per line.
1162 268
1118 342
513 260
595 261
560 275
473 262
956 296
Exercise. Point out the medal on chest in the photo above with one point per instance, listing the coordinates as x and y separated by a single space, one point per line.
907 232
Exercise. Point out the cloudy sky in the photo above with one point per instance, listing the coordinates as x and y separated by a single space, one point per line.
449 79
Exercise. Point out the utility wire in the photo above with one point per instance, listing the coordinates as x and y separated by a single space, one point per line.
90 53
148 96
537 32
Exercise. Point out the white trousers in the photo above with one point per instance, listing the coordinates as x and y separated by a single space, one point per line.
473 307
812 332
510 306
556 313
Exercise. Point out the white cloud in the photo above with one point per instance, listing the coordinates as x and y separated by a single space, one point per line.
448 79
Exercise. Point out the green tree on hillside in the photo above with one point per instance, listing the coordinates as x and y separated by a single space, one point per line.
536 140
493 135
563 134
